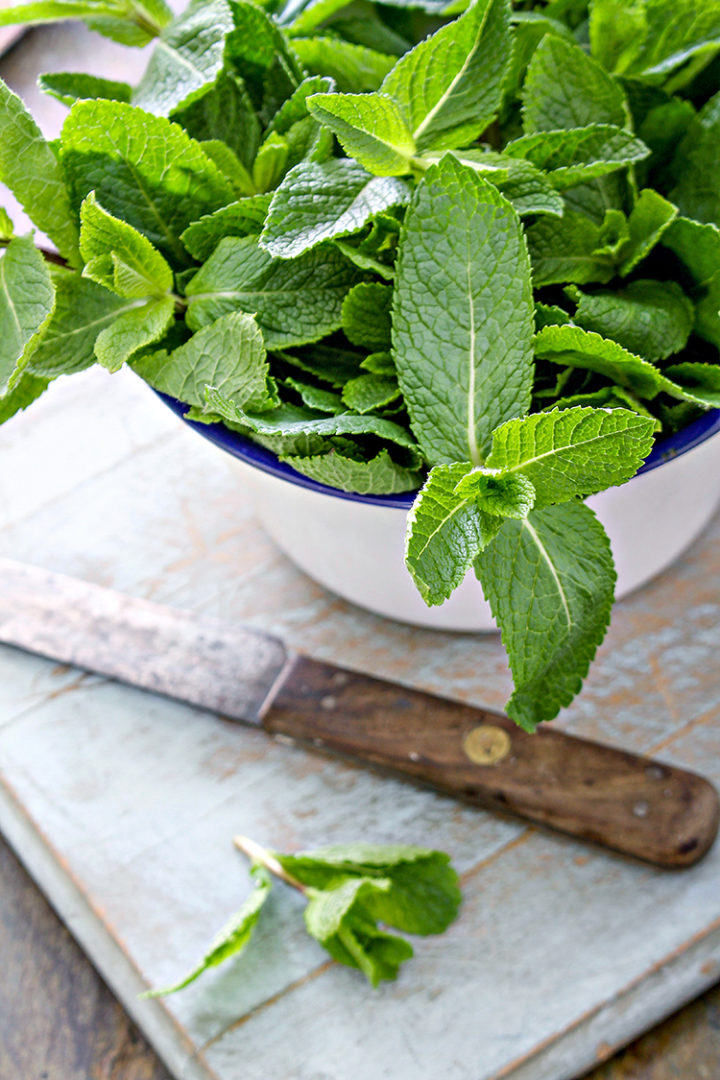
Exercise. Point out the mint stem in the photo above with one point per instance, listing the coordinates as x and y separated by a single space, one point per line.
258 854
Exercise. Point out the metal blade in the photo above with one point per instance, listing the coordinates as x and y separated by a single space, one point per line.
194 658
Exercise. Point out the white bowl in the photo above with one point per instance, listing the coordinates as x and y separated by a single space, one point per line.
354 544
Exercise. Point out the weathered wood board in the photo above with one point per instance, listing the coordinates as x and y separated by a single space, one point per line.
123 806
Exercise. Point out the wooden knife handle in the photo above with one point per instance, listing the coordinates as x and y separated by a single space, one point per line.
633 804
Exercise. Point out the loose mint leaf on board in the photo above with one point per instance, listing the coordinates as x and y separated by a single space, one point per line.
550 582
445 533
296 301
450 86
371 128
144 324
572 453
462 314
651 318
379 475
366 316
292 420
70 86
188 56
143 169
696 193
567 89
233 937
82 311
648 221
317 202
354 68
228 354
27 299
31 171
222 111
367 393
575 156
568 251
136 268
245 217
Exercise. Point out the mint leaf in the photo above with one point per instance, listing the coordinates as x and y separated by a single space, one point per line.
331 365
568 250
296 301
698 246
617 29
317 202
27 389
144 324
229 354
497 494
450 86
31 171
370 127
366 318
124 260
26 302
259 53
354 68
445 533
571 453
575 156
696 382
674 33
521 182
143 169
242 218
69 87
565 88
549 580
125 21
367 393
7 229
222 110
379 475
233 937
462 313
315 397
651 318
188 55
290 420
696 193
650 217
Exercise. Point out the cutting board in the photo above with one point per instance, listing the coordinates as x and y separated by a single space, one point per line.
123 806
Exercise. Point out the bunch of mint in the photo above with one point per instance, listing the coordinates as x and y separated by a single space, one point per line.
349 889
468 249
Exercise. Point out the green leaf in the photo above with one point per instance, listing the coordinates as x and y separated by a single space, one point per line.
698 246
698 157
371 129
26 302
70 86
7 229
648 221
136 268
699 383
292 420
296 301
378 476
259 53
124 21
450 86
245 217
575 156
521 182
354 68
144 324
315 397
502 496
188 56
331 365
566 89
222 110
571 453
233 937
571 346
229 354
27 389
317 202
462 314
82 311
445 533
380 363
143 169
568 250
675 31
368 393
651 318
550 582
31 171
366 318
617 28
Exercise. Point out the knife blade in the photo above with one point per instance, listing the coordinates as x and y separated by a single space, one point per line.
645 808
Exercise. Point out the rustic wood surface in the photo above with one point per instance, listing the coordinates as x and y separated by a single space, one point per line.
124 805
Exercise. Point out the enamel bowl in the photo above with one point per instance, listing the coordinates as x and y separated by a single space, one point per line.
354 544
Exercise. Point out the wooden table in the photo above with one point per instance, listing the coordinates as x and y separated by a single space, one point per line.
57 1020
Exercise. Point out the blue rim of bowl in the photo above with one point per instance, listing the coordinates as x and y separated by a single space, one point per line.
261 458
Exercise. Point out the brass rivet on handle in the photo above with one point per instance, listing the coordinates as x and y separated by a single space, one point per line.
486 744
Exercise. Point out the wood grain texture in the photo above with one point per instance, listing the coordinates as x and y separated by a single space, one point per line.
640 807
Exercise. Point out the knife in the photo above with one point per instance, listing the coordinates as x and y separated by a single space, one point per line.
638 806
